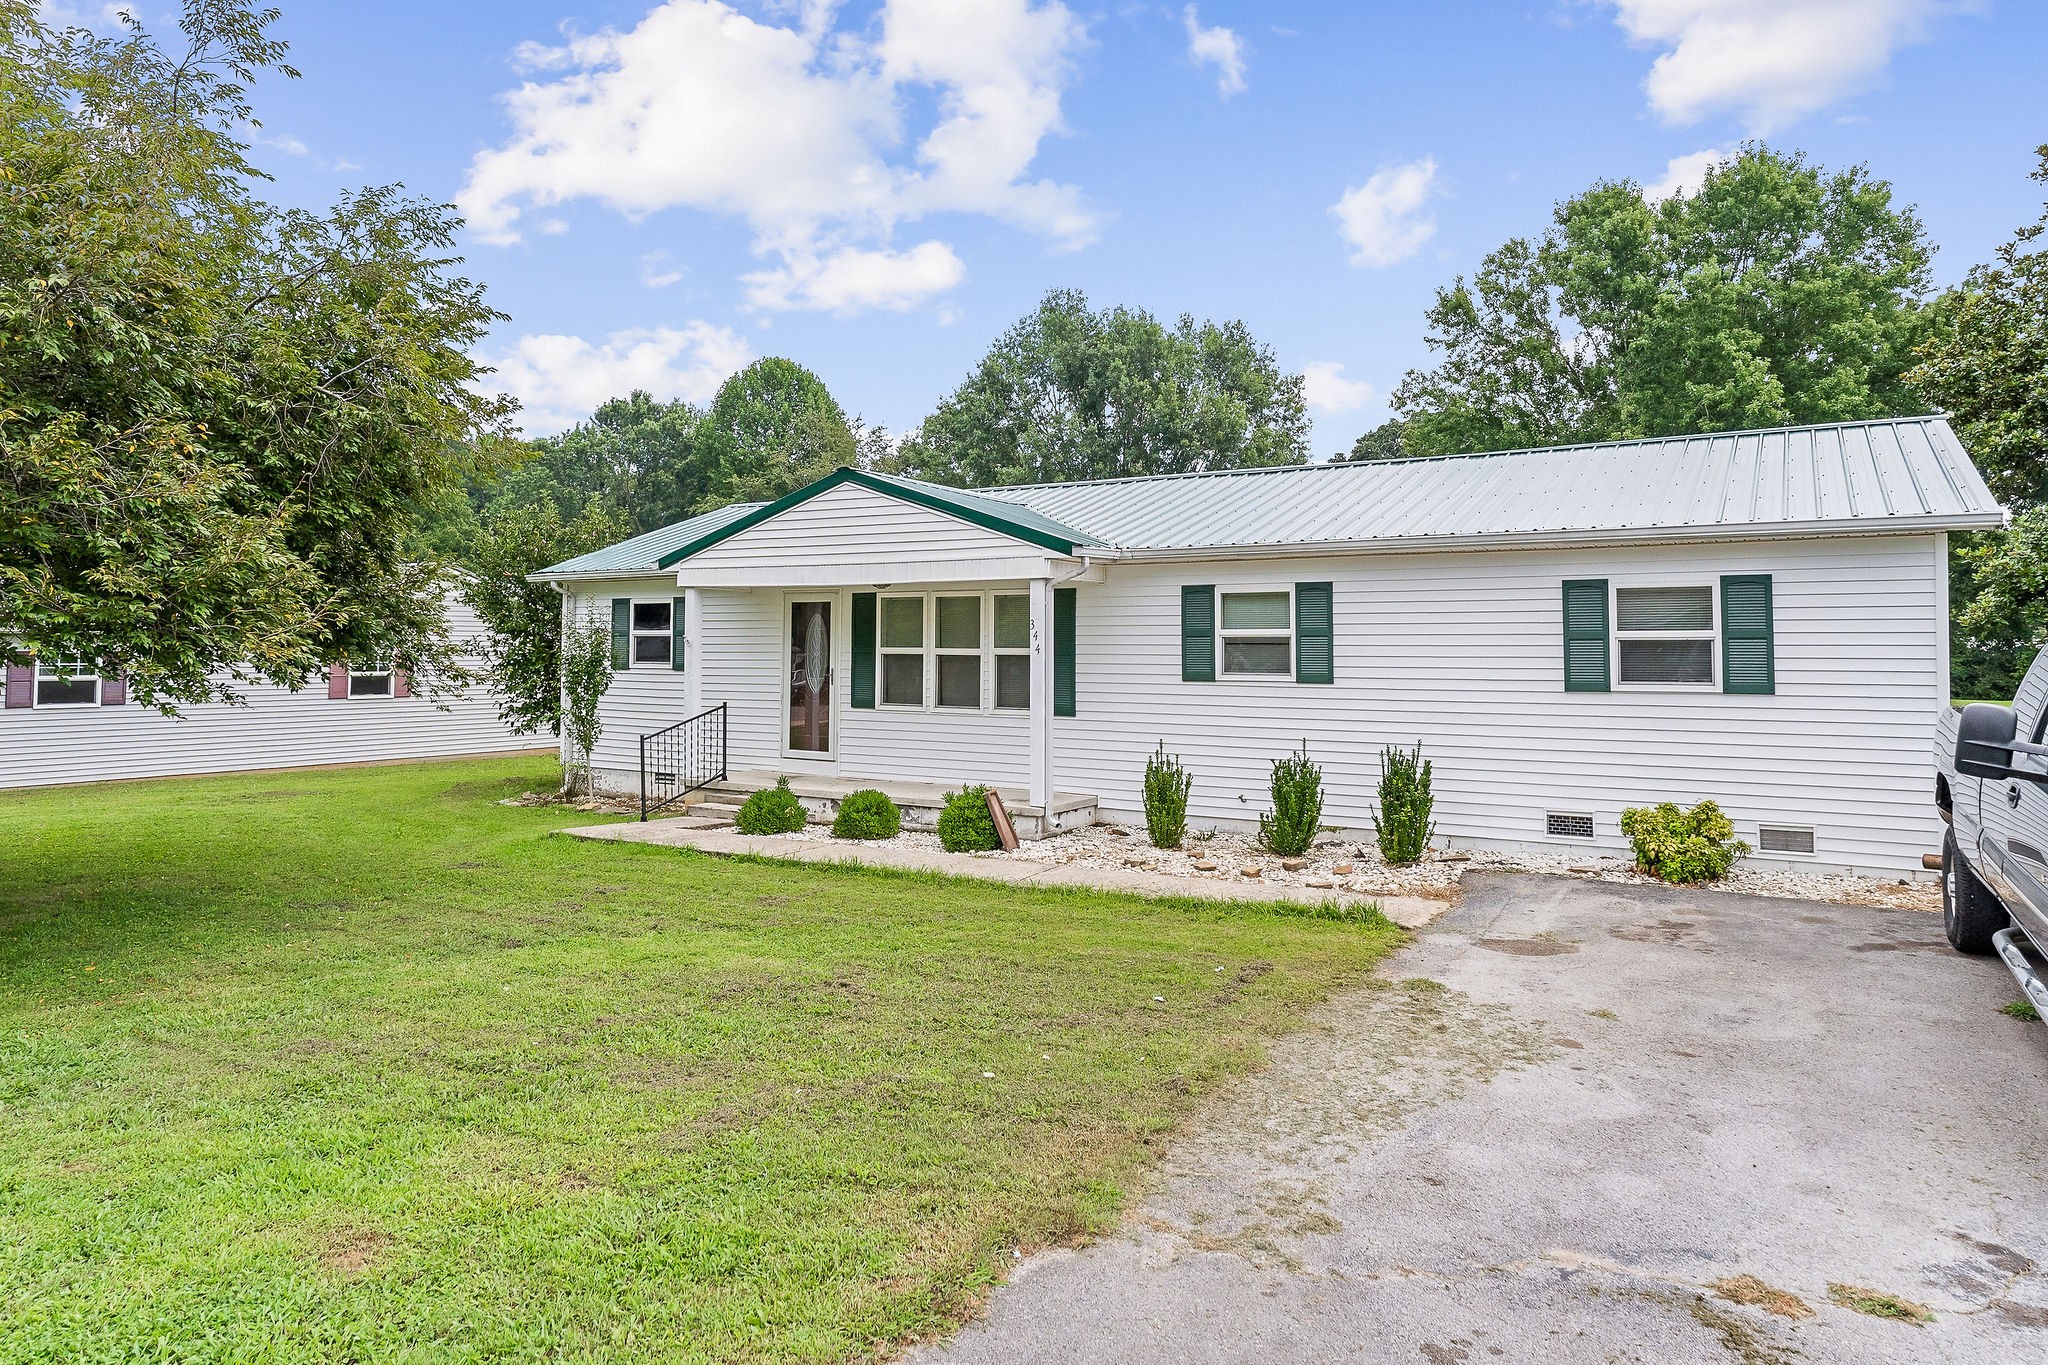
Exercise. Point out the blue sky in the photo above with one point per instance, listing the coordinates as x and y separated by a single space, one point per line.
661 192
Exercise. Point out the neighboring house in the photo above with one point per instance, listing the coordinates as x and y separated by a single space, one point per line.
1760 618
64 722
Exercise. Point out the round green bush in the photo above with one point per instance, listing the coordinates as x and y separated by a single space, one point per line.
965 826
774 811
867 814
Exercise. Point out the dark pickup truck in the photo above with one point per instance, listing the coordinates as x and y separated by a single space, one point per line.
1991 784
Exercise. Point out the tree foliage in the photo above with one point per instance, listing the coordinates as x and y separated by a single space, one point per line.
634 454
522 641
1986 363
771 429
1383 442
217 417
1777 294
1073 393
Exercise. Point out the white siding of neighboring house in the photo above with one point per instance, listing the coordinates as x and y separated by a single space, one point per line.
1460 650
1463 651
277 729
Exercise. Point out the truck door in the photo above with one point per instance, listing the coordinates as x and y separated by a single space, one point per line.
2015 811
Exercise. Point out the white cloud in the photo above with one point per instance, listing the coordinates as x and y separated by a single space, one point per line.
1684 174
799 130
286 143
1773 61
658 270
1385 220
560 380
850 279
1218 47
1325 388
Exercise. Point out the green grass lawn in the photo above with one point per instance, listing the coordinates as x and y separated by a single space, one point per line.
358 1064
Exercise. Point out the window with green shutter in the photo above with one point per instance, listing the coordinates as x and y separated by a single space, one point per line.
678 624
1198 632
1585 635
1064 602
622 632
861 694
1748 643
1314 633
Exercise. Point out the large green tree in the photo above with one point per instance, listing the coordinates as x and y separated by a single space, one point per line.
1070 392
771 429
634 453
1986 364
217 417
1777 294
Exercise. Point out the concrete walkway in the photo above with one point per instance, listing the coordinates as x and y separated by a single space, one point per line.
708 836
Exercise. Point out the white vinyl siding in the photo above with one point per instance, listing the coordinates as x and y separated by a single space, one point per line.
1462 651
279 728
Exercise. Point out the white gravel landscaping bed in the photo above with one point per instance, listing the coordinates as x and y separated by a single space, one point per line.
1345 864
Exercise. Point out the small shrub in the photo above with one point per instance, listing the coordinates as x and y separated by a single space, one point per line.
1401 821
965 826
1297 805
1682 845
867 814
1166 799
774 811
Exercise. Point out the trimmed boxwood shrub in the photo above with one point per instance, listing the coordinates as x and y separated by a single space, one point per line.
965 826
1682 846
867 814
774 811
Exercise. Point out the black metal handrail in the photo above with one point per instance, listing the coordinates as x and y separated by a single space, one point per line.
679 759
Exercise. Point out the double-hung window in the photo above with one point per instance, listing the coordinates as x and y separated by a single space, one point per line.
1664 637
901 644
367 679
653 632
958 650
1013 651
1257 630
67 682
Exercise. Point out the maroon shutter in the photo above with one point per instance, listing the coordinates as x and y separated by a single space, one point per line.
113 691
337 682
21 686
401 682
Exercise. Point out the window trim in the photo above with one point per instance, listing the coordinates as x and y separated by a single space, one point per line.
984 614
1712 635
930 652
1224 637
997 652
390 675
37 677
634 633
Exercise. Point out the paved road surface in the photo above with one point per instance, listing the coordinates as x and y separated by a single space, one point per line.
1615 1098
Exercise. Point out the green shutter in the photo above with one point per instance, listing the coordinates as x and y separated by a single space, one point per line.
678 624
1314 634
622 632
1585 635
1063 603
1748 639
1198 633
862 693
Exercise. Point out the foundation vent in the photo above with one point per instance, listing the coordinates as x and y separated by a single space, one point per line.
1563 825
1783 839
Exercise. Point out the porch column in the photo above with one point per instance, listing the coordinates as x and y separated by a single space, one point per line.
1041 694
693 651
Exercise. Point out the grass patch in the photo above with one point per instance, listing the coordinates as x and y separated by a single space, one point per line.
360 1065
2021 1009
1752 1292
1878 1304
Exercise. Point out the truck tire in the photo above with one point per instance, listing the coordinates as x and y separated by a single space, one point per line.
1970 914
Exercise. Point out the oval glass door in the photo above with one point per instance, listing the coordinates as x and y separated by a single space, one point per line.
810 677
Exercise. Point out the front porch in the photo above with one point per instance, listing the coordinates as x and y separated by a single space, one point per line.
920 802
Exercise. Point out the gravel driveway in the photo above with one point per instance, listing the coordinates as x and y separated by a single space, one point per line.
1571 1111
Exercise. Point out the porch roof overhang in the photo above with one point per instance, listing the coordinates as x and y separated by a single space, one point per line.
884 573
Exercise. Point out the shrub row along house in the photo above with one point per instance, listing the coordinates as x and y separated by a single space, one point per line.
1759 618
64 722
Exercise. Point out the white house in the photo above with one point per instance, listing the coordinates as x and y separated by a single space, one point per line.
1756 617
63 722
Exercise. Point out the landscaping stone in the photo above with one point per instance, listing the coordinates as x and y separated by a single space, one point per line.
1341 870
1204 865
1250 871
1321 883
1293 864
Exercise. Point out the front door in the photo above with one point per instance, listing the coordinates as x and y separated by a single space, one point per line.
809 686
